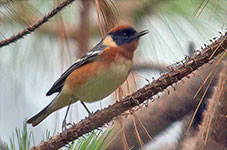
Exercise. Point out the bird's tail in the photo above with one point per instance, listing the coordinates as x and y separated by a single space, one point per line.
35 120
57 103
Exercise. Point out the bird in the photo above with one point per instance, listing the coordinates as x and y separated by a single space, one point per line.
96 74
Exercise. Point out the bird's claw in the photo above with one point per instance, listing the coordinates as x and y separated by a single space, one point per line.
90 113
65 125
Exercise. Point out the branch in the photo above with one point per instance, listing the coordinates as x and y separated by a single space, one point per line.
35 25
174 104
101 117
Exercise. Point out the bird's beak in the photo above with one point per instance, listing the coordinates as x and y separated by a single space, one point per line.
138 35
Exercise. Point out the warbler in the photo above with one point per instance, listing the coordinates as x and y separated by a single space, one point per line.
97 74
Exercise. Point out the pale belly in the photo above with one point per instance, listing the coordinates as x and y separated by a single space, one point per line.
104 83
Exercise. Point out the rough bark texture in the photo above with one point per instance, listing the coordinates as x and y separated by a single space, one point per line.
170 107
101 117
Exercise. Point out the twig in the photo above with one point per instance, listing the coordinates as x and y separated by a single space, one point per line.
32 28
101 117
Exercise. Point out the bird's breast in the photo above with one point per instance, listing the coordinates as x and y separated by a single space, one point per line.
105 77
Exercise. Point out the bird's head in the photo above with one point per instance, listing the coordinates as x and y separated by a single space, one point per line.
123 36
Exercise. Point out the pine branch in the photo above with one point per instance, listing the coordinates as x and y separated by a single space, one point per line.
174 104
36 25
101 117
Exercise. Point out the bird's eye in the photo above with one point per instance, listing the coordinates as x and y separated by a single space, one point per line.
125 35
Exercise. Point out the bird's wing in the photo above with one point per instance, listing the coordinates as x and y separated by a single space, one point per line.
88 57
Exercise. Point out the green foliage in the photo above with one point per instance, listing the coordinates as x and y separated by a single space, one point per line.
95 140
23 137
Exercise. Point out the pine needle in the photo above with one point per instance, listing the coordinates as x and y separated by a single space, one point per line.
106 15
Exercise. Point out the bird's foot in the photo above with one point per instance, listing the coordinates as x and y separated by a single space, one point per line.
90 113
65 125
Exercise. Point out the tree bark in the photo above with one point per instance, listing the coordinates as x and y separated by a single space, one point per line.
104 116
170 107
